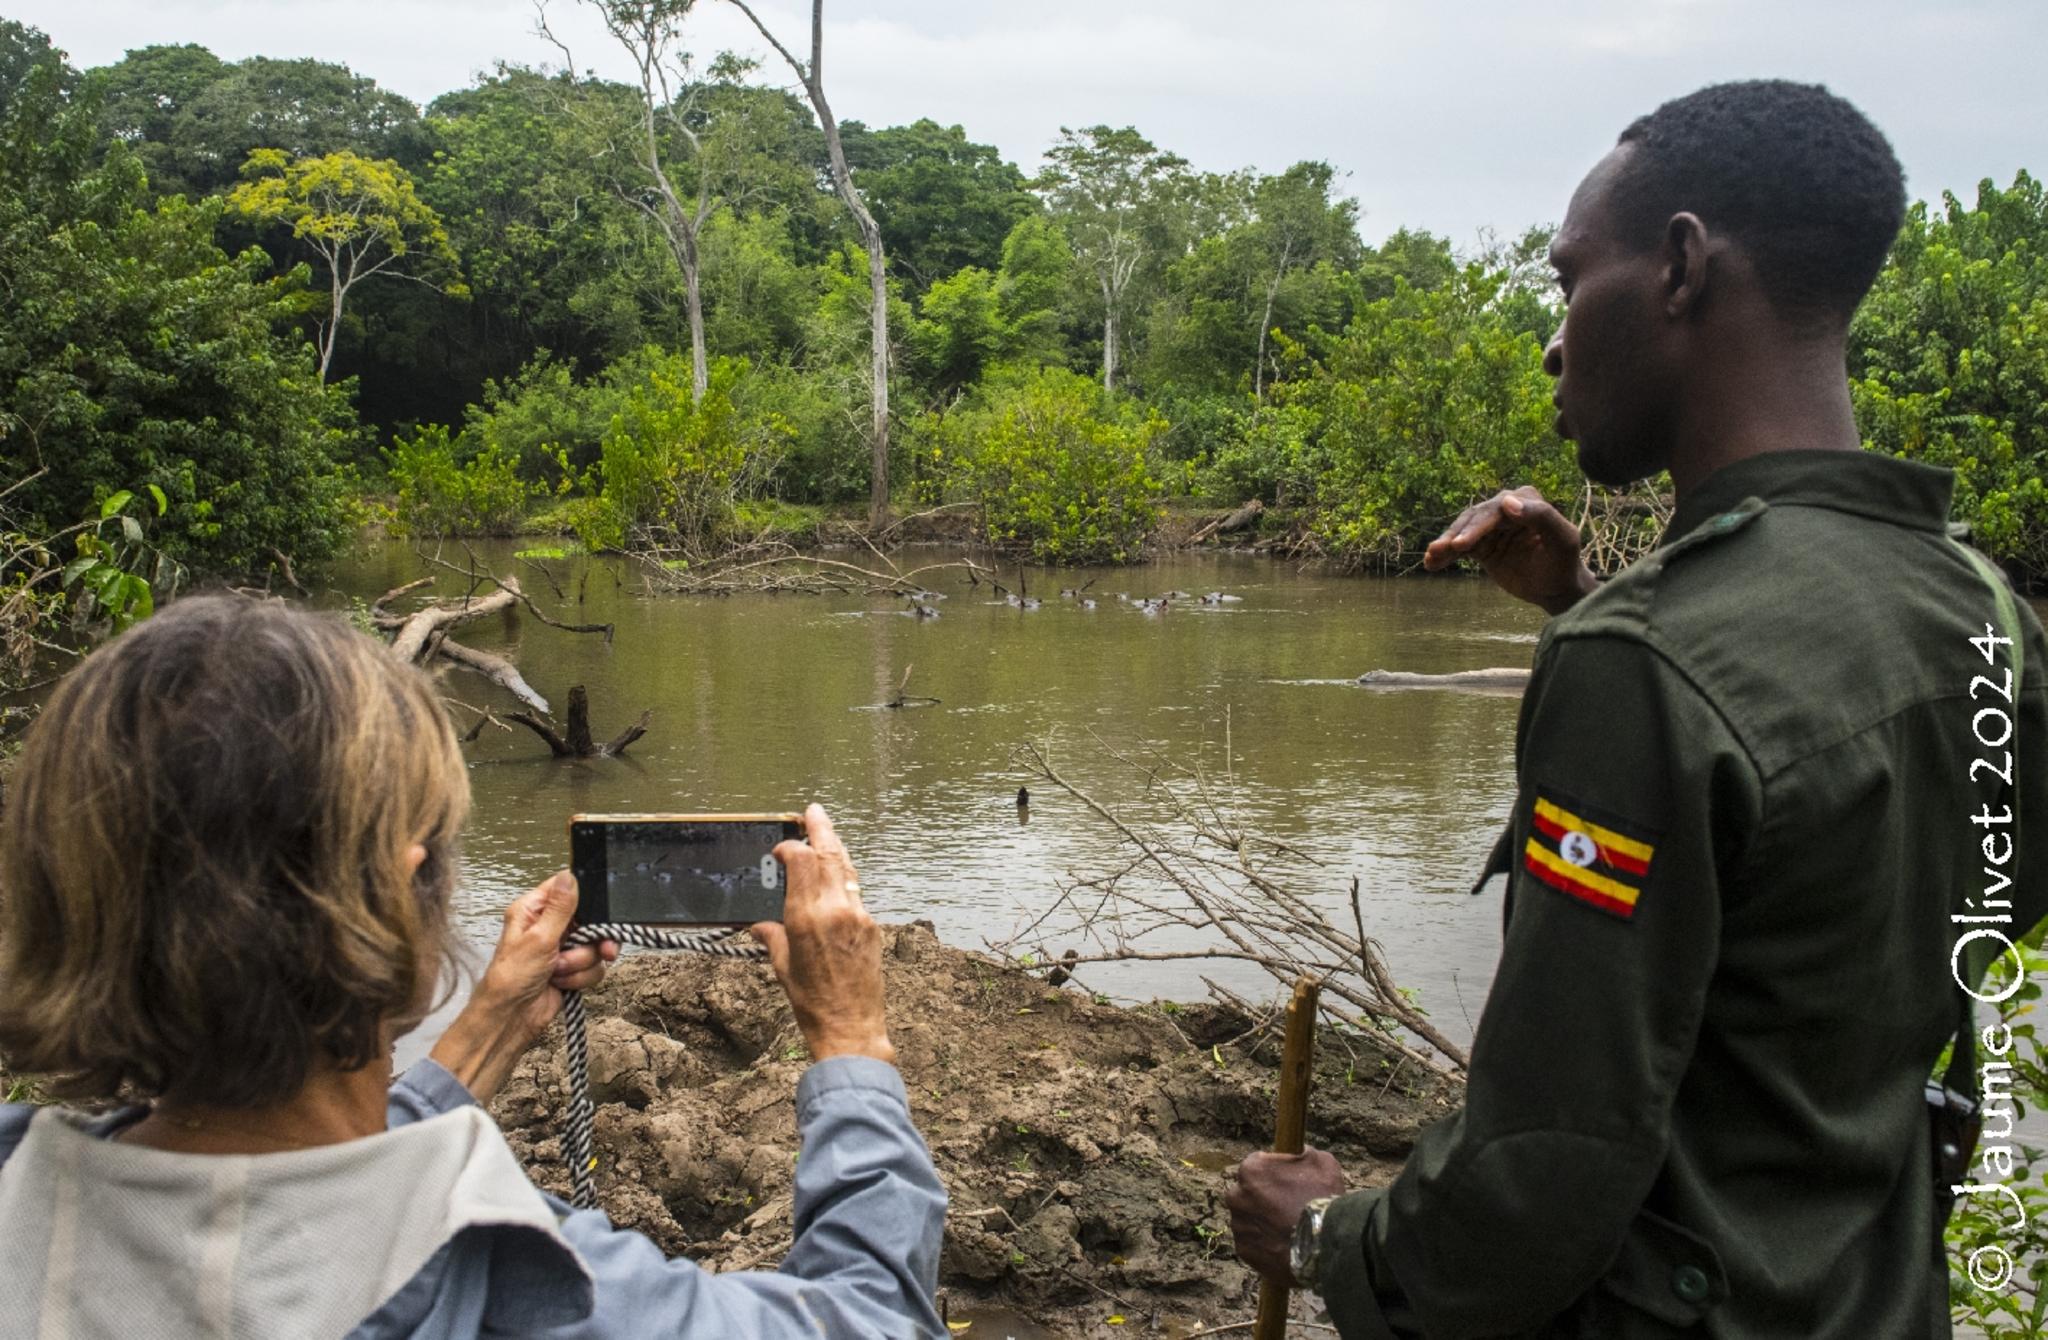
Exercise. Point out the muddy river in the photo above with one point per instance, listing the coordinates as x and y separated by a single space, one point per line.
761 702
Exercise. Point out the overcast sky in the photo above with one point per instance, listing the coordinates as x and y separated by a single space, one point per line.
1451 117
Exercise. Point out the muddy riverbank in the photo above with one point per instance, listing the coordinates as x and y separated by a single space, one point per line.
1083 1144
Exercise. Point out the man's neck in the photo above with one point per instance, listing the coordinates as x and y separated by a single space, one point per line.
1779 398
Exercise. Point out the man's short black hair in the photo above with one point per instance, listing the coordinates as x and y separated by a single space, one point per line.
1803 181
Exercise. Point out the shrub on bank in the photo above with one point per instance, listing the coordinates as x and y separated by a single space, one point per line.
672 469
450 486
1059 469
1948 361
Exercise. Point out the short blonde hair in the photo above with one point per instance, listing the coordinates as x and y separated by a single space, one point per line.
203 881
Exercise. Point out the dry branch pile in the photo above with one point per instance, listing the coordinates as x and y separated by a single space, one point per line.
1621 525
774 566
1195 885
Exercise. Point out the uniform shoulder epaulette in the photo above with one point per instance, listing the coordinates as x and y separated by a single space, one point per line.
1715 528
1622 605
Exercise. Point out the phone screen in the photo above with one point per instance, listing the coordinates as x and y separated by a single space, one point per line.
679 872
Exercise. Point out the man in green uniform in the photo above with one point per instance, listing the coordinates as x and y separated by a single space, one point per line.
1751 825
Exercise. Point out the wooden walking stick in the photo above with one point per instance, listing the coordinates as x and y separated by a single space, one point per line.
1290 1124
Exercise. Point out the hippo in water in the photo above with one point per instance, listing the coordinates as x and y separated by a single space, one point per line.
1493 679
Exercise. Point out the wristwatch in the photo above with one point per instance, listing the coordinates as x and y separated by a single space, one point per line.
1305 1258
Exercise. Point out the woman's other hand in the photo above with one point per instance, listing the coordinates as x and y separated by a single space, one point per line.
826 950
521 991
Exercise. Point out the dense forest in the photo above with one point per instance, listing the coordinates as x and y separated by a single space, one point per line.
252 305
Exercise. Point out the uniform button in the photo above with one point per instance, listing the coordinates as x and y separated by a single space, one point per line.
1690 1284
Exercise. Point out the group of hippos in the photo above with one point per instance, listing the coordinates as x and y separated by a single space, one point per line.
921 605
1494 679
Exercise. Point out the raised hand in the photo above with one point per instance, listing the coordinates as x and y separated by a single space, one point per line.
1528 547
827 950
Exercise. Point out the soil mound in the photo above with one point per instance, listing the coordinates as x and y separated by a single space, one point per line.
1083 1144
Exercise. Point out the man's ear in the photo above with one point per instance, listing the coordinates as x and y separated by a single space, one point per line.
1686 245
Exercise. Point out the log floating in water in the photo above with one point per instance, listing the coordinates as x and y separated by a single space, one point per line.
1498 677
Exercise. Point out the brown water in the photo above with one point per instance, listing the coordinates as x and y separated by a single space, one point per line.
764 702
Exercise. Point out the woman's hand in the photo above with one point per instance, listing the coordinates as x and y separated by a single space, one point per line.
521 991
826 950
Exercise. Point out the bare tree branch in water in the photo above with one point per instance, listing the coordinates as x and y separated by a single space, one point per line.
1195 874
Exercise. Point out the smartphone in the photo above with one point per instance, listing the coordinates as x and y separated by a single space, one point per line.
679 869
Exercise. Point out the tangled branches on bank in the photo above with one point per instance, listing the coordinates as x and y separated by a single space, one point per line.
1195 885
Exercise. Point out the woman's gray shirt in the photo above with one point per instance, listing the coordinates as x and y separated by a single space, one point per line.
432 1232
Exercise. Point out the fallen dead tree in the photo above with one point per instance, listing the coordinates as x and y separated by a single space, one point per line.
1498 678
574 740
1195 869
421 637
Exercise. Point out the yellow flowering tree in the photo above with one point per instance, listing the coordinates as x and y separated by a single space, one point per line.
362 217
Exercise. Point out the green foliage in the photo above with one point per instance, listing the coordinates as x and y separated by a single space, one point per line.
1283 267
1058 471
358 217
1371 390
960 330
50 604
193 119
943 202
133 352
1949 361
1033 285
545 421
1998 1270
111 577
756 295
672 470
1428 400
453 487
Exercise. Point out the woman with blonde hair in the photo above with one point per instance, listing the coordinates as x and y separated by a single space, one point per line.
226 864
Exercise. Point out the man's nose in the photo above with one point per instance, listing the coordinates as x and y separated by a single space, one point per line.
1553 352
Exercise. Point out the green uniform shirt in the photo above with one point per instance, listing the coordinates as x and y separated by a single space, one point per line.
1744 821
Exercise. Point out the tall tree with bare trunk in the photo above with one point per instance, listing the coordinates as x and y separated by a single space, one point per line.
811 75
681 158
1100 183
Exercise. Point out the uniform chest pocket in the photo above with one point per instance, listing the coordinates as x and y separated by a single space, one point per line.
1666 1272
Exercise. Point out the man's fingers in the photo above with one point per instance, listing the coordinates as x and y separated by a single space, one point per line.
1548 518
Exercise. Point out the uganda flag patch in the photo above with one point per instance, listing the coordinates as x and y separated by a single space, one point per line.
1592 863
